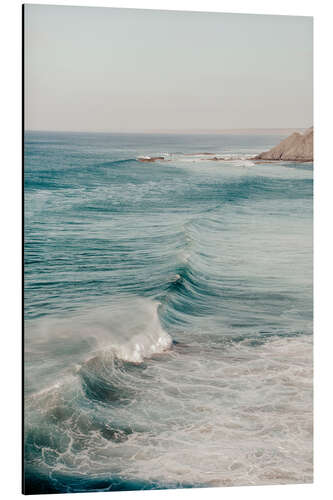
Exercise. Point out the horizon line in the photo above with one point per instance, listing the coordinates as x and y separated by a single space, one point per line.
177 131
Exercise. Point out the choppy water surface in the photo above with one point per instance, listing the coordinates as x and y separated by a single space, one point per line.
168 314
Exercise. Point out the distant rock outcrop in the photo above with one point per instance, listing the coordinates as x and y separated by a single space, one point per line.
150 159
296 147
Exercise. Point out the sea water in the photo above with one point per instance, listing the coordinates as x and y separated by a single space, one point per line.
168 313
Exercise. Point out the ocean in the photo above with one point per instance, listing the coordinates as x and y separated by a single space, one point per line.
168 313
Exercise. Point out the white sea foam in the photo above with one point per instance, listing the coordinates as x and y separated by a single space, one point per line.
128 329
236 159
136 331
238 415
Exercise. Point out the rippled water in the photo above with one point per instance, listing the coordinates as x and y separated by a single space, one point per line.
168 313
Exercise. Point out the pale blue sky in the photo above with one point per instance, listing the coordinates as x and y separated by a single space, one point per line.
106 69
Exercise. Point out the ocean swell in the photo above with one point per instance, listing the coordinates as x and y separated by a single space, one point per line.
168 314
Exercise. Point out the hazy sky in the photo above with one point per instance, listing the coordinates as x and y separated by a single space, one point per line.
105 69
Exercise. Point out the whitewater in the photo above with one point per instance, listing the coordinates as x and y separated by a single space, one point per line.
168 313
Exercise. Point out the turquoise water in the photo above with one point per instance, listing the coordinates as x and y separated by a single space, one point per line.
168 313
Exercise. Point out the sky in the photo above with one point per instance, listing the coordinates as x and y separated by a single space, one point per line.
128 70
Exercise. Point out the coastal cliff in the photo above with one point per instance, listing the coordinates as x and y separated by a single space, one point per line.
296 147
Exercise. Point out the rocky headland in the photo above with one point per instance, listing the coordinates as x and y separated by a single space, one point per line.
296 147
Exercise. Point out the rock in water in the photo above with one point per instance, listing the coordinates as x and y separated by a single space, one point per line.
296 147
150 158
